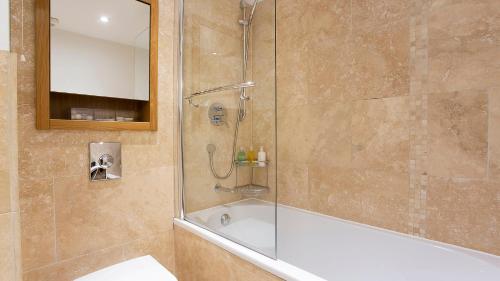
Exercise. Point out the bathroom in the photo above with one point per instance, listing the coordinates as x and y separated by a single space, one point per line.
308 140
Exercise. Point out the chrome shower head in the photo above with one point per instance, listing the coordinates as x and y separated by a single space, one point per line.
248 3
252 4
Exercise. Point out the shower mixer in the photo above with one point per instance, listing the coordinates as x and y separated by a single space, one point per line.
217 114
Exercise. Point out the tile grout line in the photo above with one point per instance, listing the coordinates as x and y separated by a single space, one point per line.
488 130
120 245
54 220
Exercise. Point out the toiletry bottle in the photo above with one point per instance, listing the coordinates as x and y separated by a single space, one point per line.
242 155
251 155
262 157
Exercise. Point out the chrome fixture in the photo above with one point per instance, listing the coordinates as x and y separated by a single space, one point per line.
225 219
211 148
240 86
217 114
246 22
105 161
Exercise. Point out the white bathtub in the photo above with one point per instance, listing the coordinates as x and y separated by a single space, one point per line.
312 246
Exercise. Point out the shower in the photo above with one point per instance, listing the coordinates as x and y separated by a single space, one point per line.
248 10
236 44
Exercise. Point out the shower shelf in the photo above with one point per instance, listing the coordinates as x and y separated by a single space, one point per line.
253 164
249 189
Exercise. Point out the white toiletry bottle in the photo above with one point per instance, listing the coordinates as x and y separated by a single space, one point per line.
261 157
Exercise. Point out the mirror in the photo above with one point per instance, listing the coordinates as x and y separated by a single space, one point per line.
96 64
100 48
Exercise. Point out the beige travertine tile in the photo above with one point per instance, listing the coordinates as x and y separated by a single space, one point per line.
292 53
384 199
4 192
149 157
8 133
372 14
92 216
160 246
331 190
378 198
315 133
37 223
293 141
8 270
329 57
381 61
293 184
321 135
328 134
380 134
61 156
464 37
465 213
458 127
79 266
198 259
10 263
494 134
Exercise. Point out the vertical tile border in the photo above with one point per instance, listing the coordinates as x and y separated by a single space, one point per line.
418 116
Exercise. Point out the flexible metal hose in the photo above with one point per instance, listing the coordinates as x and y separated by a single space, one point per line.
211 150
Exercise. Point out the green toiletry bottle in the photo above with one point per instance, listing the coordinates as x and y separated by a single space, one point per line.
242 156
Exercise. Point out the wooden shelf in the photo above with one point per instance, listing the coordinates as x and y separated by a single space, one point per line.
99 125
61 104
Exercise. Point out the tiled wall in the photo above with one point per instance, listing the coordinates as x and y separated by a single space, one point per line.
198 259
388 114
70 226
10 266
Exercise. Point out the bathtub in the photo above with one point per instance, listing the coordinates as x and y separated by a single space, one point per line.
315 247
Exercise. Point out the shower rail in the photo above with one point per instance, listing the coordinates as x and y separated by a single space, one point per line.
244 85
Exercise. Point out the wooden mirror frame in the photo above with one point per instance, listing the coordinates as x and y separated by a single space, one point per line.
42 66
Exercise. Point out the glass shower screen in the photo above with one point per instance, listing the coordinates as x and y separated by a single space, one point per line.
228 115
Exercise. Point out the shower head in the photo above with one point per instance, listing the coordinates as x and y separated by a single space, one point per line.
252 4
249 3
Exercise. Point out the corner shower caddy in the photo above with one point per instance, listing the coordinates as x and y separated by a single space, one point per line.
250 189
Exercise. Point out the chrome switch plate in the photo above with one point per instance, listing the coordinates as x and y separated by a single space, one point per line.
105 161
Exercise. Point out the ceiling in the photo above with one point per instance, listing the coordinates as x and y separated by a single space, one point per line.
127 19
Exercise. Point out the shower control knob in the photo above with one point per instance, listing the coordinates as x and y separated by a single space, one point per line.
217 114
106 161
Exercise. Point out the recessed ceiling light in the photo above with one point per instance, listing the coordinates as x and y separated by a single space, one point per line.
104 19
